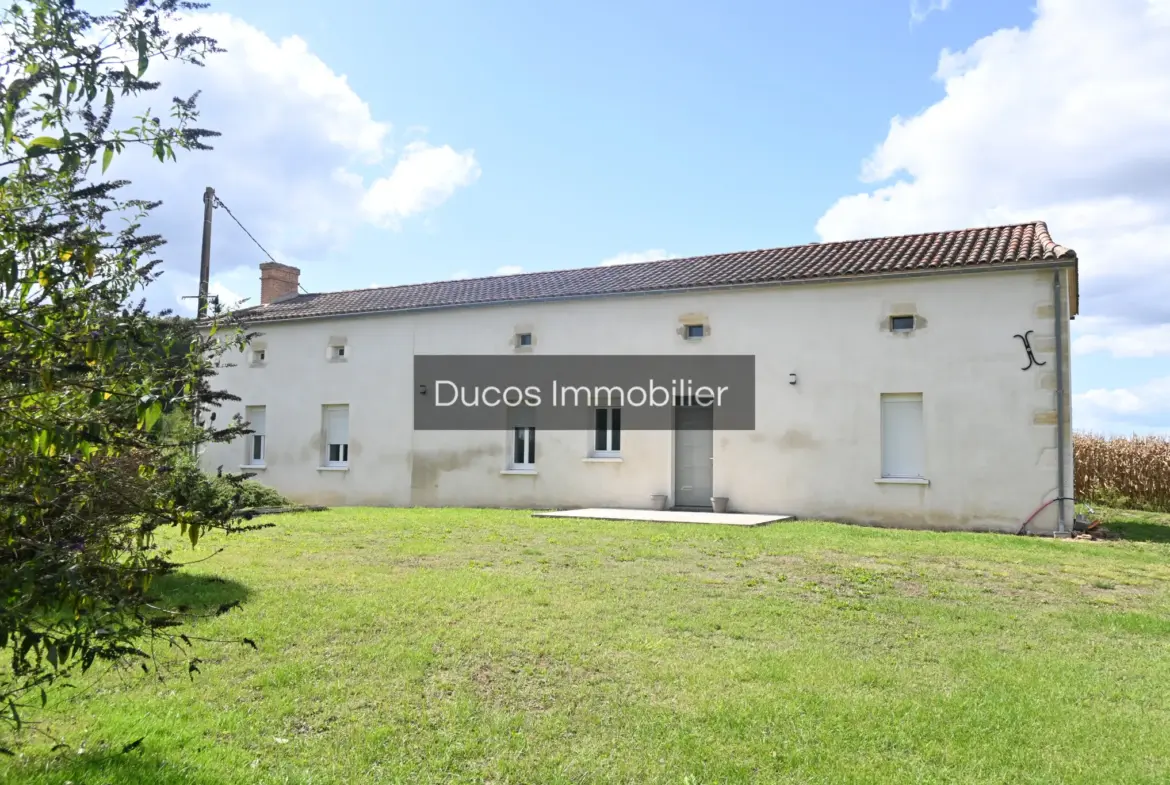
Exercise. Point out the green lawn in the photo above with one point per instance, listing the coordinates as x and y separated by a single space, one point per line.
428 646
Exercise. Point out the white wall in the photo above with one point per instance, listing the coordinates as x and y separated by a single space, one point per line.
816 451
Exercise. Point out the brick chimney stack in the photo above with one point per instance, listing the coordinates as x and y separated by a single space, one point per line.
278 282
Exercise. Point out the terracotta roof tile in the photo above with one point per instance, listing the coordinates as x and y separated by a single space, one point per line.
990 247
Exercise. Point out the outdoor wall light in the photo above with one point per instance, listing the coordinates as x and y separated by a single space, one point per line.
792 378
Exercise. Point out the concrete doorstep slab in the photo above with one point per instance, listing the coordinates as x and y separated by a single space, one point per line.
665 516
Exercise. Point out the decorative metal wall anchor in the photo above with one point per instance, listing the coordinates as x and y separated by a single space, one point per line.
1028 348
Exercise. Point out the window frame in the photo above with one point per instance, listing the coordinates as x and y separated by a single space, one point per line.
523 340
607 432
250 440
523 444
688 328
521 439
888 471
342 461
895 317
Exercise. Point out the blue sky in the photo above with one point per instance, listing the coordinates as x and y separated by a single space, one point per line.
616 126
391 142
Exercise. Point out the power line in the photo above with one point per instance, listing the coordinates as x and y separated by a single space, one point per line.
219 203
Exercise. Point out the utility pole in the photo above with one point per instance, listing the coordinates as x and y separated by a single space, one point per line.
204 279
205 256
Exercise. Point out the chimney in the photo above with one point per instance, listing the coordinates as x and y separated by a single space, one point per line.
278 282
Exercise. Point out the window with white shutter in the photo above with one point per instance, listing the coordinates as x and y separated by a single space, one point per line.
255 418
903 437
336 418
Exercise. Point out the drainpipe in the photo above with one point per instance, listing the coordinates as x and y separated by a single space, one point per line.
1061 414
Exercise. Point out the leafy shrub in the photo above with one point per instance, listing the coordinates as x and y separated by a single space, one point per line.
253 494
176 427
86 372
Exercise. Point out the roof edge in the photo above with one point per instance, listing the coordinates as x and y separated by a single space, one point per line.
1041 227
1069 259
1050 245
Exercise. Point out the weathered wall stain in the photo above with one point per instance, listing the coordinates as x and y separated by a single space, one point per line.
387 458
427 467
791 439
796 439
311 451
933 520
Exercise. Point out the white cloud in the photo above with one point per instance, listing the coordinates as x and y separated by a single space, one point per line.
919 10
1123 411
633 257
509 269
233 288
302 161
228 299
1125 341
423 178
1066 121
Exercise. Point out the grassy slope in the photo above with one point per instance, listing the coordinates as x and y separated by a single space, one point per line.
483 646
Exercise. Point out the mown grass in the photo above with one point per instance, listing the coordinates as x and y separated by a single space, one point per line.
431 646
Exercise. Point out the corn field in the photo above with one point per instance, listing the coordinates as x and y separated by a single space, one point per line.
1132 472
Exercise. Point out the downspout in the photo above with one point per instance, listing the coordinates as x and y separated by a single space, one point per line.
1061 414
